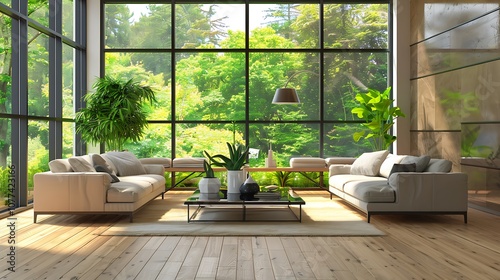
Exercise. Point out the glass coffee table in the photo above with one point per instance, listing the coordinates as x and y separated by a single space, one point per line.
265 207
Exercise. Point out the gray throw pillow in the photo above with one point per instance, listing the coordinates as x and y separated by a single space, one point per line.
421 162
398 167
100 168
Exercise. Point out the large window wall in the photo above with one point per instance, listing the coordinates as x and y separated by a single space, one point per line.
42 53
215 67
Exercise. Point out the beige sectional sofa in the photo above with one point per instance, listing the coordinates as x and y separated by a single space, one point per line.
382 183
110 183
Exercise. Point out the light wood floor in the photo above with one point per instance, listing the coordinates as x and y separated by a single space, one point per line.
414 247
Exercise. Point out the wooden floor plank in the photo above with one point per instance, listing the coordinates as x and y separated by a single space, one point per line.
413 247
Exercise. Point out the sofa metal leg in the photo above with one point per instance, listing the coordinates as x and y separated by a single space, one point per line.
465 217
34 218
368 217
131 218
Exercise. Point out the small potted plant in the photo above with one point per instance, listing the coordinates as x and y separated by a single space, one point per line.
209 184
238 157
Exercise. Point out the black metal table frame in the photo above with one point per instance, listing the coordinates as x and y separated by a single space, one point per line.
243 204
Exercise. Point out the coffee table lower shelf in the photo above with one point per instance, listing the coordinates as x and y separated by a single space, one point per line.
260 208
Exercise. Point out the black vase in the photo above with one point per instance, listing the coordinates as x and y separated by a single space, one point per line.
249 188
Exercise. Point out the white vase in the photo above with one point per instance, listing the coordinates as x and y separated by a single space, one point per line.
209 185
234 180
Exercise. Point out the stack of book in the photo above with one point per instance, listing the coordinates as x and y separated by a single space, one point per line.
268 195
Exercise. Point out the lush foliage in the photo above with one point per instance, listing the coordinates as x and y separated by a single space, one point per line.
377 109
114 112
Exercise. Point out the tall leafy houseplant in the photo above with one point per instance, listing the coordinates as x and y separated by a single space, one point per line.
376 109
114 112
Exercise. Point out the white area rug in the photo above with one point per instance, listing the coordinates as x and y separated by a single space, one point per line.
320 217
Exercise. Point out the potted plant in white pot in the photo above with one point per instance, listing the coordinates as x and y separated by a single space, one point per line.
209 184
238 157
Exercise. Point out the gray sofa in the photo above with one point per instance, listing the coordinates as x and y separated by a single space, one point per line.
382 183
110 183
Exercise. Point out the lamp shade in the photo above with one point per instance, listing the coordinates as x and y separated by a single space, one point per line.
286 96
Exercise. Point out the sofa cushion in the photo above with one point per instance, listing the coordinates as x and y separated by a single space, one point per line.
386 167
60 165
81 164
421 162
307 162
126 163
438 165
371 190
339 181
129 189
369 163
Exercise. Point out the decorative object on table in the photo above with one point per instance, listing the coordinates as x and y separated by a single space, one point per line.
238 157
249 188
209 184
376 109
270 162
271 188
114 113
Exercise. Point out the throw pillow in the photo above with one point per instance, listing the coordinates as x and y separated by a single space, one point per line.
368 164
409 167
60 166
386 167
439 165
79 164
100 168
421 162
126 163
99 160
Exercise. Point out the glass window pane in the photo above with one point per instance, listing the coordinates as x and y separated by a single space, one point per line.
68 19
156 142
192 139
346 73
210 26
39 11
358 26
68 139
284 26
287 139
270 71
137 26
339 142
68 79
7 2
210 86
5 68
38 74
5 162
152 69
38 150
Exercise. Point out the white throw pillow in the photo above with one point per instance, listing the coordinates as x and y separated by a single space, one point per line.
80 164
60 166
126 163
386 167
369 163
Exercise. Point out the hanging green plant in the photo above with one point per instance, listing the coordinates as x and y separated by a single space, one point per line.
114 112
376 109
